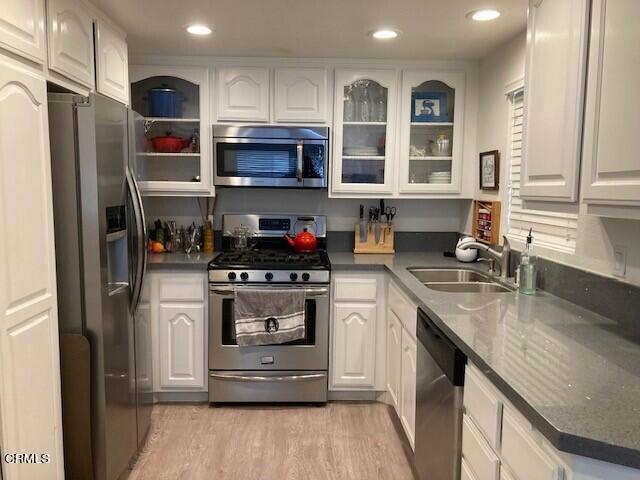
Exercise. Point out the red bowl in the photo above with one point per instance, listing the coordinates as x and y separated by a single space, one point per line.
169 144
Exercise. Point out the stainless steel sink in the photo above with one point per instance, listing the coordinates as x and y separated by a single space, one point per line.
459 280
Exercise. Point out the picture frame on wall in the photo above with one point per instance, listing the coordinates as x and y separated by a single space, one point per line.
490 170
429 107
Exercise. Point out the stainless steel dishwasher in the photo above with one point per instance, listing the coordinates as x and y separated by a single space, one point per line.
440 383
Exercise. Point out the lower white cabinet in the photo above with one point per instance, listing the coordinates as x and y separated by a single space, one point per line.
358 332
181 329
408 386
394 358
178 321
354 354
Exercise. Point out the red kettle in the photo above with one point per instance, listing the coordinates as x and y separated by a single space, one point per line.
303 242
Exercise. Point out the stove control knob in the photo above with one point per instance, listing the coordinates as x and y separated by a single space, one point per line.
268 276
293 277
244 275
305 277
231 276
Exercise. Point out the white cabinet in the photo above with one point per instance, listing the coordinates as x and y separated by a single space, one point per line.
611 169
354 353
22 28
477 454
187 171
358 332
30 411
181 345
243 94
364 131
394 358
300 95
431 139
178 317
70 45
112 63
408 386
555 71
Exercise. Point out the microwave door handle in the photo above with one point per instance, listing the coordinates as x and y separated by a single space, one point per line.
299 161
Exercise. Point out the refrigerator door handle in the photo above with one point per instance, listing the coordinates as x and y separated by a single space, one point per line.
140 244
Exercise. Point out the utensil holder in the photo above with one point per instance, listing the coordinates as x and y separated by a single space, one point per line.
385 245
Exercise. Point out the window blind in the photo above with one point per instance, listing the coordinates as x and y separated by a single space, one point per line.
554 230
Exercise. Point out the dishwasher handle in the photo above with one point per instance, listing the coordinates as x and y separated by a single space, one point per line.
444 352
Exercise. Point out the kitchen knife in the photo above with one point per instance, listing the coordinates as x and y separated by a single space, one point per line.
364 227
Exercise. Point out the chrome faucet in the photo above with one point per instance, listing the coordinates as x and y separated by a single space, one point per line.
500 256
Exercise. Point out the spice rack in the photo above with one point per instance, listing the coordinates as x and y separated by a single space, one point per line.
486 221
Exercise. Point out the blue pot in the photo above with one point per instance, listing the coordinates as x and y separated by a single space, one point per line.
165 102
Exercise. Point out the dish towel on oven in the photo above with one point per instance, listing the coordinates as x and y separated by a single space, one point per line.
268 316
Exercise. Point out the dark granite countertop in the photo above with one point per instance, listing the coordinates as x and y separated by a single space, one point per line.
573 373
179 261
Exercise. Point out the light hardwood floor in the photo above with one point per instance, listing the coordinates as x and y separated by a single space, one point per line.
338 441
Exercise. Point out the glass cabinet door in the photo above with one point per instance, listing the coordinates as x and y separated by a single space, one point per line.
172 157
363 147
431 142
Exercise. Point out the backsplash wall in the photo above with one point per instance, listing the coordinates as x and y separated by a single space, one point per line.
412 216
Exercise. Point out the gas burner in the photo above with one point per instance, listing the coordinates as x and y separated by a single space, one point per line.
271 260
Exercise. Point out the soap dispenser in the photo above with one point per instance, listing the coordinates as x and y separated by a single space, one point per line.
528 268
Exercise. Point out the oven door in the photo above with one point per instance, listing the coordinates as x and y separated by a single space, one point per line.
309 353
268 162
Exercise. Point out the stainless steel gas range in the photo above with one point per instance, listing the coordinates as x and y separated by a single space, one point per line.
289 372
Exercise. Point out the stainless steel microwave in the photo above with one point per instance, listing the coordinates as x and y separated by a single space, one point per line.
261 156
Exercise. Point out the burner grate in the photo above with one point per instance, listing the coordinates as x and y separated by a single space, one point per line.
271 258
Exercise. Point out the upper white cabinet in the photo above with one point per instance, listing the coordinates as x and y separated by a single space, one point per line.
364 131
112 63
243 94
300 95
22 28
611 170
431 131
555 71
174 101
30 411
71 40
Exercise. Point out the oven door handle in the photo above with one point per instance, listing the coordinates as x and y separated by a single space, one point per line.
256 378
311 292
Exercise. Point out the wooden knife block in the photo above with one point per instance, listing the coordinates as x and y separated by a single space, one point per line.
385 245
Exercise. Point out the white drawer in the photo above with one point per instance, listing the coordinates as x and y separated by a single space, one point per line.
181 287
355 289
465 472
406 311
522 454
477 454
481 404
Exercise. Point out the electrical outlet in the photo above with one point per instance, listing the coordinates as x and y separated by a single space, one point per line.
620 261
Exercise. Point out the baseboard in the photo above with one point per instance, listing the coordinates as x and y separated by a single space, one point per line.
176 397
356 395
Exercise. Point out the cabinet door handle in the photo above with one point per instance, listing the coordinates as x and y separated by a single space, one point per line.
299 161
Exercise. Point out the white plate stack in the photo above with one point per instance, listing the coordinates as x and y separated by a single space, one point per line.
361 151
440 177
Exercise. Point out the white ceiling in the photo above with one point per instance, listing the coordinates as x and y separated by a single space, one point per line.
431 29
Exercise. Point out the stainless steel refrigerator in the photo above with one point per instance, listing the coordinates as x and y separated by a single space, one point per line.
100 260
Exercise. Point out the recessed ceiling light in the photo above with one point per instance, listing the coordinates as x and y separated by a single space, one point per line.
484 14
198 30
384 34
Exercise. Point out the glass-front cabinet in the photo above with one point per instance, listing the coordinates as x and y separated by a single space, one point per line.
173 153
364 133
431 133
